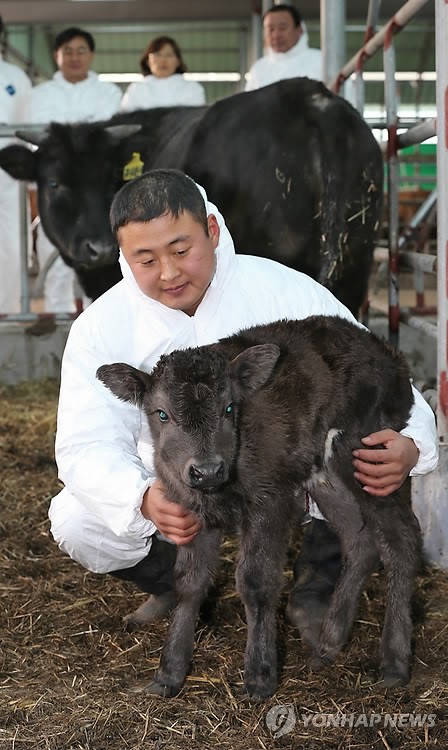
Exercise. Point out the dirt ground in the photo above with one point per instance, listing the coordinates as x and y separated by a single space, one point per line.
69 669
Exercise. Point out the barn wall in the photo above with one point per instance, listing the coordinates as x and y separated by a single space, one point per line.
31 351
34 351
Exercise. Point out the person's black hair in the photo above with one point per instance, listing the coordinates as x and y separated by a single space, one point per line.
155 46
68 34
154 194
291 9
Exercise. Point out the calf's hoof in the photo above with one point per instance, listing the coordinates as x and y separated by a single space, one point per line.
318 661
165 691
154 608
259 693
307 618
394 677
260 683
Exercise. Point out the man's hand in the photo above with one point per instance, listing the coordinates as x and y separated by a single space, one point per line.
383 470
177 524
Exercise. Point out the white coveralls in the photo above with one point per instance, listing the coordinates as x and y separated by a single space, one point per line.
153 92
58 100
14 91
103 445
300 60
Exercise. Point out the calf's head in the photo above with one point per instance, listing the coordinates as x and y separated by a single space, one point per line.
192 400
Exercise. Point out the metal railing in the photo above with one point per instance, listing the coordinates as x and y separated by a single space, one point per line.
28 290
429 492
375 41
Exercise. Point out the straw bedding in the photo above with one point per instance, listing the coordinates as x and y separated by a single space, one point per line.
69 670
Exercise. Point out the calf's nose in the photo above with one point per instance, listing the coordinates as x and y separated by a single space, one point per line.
208 474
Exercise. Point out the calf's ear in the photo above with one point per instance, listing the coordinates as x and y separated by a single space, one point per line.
19 162
125 382
251 369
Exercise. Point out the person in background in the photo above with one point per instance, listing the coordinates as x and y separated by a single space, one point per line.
163 84
287 51
74 94
15 87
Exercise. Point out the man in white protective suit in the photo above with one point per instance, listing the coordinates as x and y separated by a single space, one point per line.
15 87
74 94
288 53
183 286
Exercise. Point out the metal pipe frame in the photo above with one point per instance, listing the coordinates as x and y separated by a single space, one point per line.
410 260
332 36
418 133
370 30
405 14
442 217
392 180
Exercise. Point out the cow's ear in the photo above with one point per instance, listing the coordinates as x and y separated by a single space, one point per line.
252 368
19 162
118 133
125 382
35 137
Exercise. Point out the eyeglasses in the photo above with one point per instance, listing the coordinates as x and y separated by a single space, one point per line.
71 51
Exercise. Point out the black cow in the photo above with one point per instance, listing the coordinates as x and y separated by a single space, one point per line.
241 429
294 169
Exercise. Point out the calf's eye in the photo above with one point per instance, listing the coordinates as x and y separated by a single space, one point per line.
52 183
229 410
163 416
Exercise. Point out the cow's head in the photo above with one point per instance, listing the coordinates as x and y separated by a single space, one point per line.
74 169
192 400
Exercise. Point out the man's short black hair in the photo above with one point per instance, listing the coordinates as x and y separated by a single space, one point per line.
291 9
68 34
157 193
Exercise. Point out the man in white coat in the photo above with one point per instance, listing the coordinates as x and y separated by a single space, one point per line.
15 87
74 94
183 286
288 53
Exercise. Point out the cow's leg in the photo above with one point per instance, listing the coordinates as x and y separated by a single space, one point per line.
195 565
399 543
259 578
360 558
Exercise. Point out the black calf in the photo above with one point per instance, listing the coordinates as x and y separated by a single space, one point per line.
241 429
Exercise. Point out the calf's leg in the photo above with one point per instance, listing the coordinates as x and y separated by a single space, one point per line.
360 558
259 581
400 546
195 565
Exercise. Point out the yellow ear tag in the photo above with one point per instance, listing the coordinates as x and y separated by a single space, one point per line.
133 168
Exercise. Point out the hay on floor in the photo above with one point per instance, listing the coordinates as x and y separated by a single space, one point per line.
69 668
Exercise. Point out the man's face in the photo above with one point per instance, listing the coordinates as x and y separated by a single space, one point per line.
74 59
280 32
172 260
